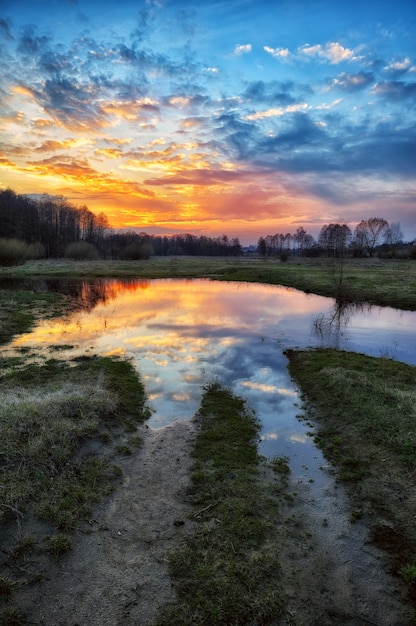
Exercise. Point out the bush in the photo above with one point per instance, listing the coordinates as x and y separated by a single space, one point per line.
81 251
35 250
13 252
136 251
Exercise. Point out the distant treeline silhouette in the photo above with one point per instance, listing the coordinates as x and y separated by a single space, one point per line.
337 240
52 227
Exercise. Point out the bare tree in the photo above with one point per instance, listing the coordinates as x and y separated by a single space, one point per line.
369 233
393 236
335 239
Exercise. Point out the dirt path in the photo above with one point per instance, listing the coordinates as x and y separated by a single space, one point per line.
117 574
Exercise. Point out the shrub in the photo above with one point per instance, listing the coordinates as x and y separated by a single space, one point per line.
136 251
35 250
81 251
13 252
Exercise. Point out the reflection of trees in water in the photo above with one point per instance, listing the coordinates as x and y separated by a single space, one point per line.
333 323
84 295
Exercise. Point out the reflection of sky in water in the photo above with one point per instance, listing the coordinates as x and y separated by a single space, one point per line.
182 334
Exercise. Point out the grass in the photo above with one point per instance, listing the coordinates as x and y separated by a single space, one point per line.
386 282
46 414
49 414
20 309
365 409
228 572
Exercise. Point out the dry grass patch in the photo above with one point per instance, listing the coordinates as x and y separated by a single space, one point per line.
50 479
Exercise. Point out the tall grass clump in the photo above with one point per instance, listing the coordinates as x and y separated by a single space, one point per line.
81 251
47 413
13 252
39 433
227 573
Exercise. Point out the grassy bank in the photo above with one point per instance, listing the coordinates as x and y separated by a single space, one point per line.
365 409
228 572
386 282
50 477
20 309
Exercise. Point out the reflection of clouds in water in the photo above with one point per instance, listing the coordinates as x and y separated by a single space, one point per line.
258 386
181 397
299 438
161 362
191 378
184 334
269 437
115 352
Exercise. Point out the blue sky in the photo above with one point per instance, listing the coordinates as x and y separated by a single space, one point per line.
240 117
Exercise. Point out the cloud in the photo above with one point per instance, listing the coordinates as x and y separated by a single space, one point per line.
399 66
303 144
64 166
242 49
333 52
30 44
5 30
327 106
396 91
277 53
198 177
352 82
191 123
132 110
53 146
272 92
293 108
72 104
109 153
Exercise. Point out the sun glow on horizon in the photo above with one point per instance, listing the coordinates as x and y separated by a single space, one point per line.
270 135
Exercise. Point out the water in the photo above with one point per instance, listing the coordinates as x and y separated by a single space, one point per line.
182 334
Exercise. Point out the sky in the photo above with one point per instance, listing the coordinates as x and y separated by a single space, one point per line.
237 117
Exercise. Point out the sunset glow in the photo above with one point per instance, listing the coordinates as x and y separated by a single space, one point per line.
243 118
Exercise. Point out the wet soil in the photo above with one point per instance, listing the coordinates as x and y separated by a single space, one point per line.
117 573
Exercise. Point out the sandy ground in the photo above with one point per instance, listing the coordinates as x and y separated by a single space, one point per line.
117 575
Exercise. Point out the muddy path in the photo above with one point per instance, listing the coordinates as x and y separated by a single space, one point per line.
117 575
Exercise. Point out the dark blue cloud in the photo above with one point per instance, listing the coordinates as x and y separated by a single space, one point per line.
299 145
5 31
30 43
396 91
269 93
71 103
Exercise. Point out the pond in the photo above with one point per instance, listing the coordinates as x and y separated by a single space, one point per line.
182 334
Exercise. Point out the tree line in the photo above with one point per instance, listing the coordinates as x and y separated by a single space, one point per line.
52 227
336 240
48 224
